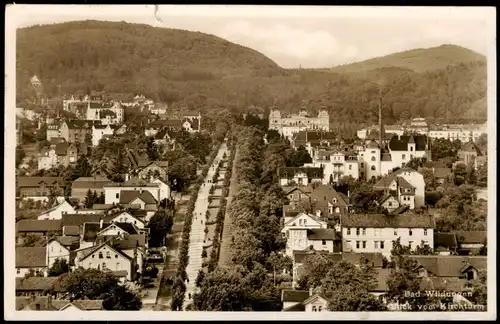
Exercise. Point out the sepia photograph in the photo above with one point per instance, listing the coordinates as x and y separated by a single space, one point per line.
297 162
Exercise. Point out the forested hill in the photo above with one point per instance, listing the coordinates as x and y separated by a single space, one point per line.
203 72
417 60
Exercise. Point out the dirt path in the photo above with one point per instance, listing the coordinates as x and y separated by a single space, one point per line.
226 230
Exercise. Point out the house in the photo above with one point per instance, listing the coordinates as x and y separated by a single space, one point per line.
165 138
79 219
470 241
158 109
191 125
303 301
445 243
57 211
297 195
48 303
60 247
47 158
153 128
375 232
165 192
76 131
105 113
82 185
116 229
135 197
407 185
34 227
106 257
112 191
154 169
328 201
125 217
451 266
137 161
304 231
336 165
30 258
299 176
441 174
40 286
289 125
101 130
468 153
53 131
39 188
312 139
375 259
398 192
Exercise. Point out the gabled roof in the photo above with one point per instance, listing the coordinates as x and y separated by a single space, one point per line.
403 170
376 259
128 196
299 256
314 298
292 295
35 181
38 225
449 265
79 219
327 193
108 245
447 240
37 283
85 305
63 202
299 214
471 147
90 231
373 145
91 182
401 209
441 173
71 242
401 143
62 148
471 237
292 171
386 196
31 257
299 307
388 221
71 230
80 124
304 189
443 284
131 241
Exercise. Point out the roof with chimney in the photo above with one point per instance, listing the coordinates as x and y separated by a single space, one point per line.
97 182
290 172
107 244
24 182
79 219
388 221
128 196
31 257
449 265
292 295
400 143
327 193
80 124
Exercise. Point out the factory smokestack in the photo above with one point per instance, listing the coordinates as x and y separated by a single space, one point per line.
380 123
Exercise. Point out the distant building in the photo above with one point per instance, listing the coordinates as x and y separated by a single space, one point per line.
30 258
57 211
468 153
39 188
403 187
82 185
299 175
109 113
76 131
290 125
99 131
53 131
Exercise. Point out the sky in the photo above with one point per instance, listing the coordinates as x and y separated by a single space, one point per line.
293 36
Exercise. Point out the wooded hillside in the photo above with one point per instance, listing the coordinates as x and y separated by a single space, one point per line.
204 72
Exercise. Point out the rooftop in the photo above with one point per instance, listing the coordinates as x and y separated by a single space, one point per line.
31 257
388 221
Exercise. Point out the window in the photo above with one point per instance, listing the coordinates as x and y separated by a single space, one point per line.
395 232
100 255
373 152
390 203
364 244
323 242
104 265
373 168
348 231
373 158
93 255
425 231
357 244
18 271
410 243
314 309
51 249
300 221
403 156
357 231
108 255
364 231
376 244
410 232
319 308
118 266
117 195
411 148
382 245
305 221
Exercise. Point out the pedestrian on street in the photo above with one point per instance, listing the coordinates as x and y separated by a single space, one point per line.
189 295
188 282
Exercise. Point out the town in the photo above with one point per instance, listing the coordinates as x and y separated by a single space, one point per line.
131 204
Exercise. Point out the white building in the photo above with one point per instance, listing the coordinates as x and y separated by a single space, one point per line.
60 248
47 159
56 212
101 130
164 189
335 165
112 192
290 125
406 185
299 176
107 114
375 232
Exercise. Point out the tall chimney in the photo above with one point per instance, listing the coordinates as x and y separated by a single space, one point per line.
380 123
101 223
310 292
